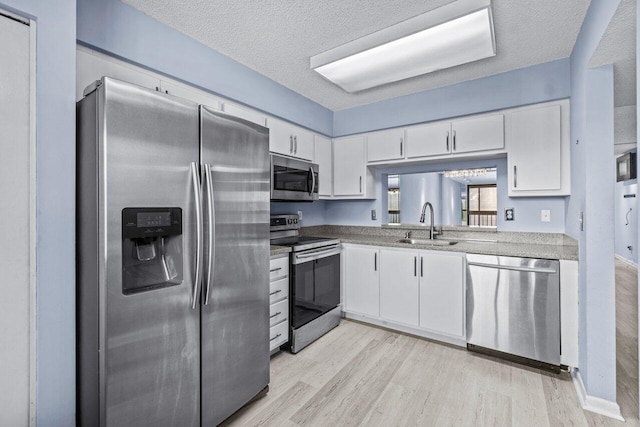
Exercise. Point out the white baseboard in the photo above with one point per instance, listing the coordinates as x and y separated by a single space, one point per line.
594 404
627 261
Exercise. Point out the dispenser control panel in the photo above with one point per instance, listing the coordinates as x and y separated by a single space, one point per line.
151 222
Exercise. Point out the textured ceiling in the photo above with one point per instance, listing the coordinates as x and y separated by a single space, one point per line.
618 46
277 37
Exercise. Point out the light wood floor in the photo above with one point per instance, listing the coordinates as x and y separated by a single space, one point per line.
359 375
627 341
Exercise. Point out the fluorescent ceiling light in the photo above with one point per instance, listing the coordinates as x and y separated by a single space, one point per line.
447 36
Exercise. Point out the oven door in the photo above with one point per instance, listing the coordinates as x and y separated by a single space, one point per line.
293 179
315 284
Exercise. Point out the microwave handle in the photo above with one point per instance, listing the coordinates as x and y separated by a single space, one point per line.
313 181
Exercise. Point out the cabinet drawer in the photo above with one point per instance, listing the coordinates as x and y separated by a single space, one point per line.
279 312
278 335
278 268
278 290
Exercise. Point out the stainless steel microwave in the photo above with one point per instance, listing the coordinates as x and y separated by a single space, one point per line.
293 180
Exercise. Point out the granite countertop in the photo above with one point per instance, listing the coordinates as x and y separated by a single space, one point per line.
279 250
527 245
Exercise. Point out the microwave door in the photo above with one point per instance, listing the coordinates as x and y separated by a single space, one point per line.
293 180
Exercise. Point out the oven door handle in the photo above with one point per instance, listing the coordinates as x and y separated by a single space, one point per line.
314 255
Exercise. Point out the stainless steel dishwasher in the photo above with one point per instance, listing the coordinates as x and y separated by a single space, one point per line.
513 307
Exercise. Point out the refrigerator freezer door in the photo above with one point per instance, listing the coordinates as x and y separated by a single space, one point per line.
151 361
235 322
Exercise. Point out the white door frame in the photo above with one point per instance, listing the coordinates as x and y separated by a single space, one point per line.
32 211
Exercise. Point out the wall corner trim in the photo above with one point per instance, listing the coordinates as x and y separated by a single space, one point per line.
594 404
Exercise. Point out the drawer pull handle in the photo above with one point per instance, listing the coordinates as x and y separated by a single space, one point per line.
275 269
274 315
277 336
275 292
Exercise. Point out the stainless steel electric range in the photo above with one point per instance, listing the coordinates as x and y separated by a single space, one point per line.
314 284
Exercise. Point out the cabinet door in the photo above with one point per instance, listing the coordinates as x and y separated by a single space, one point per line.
302 144
429 140
535 149
478 134
385 145
190 93
348 166
362 280
399 286
244 113
442 293
322 147
280 136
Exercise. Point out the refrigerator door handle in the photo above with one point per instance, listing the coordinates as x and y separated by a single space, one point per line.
198 199
212 231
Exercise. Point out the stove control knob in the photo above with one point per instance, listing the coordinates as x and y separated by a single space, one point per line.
289 221
295 221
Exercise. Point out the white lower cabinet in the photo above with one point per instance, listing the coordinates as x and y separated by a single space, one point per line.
362 279
279 300
415 291
399 286
442 292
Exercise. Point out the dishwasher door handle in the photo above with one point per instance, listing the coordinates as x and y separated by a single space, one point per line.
508 267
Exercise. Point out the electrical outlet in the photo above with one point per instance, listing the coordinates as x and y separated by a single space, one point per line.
373 214
545 215
300 215
509 214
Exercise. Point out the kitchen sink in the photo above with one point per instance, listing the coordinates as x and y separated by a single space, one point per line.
432 242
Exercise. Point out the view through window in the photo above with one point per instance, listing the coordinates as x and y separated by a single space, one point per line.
482 206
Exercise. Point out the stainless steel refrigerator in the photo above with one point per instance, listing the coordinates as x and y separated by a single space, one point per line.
172 259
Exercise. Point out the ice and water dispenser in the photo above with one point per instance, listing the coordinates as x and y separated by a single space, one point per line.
151 248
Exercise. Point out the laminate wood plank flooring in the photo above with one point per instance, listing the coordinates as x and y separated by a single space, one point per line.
627 341
360 375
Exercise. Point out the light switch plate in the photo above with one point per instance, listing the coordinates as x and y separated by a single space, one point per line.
300 215
545 215
509 214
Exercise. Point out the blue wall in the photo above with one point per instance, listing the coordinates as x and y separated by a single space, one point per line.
592 183
55 198
119 29
538 83
527 217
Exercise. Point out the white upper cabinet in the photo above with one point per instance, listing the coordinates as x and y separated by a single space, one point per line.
351 177
442 293
190 93
538 159
468 136
248 114
433 139
385 145
323 158
303 144
289 140
399 286
477 134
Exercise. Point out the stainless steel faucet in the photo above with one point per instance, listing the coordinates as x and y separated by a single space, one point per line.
432 233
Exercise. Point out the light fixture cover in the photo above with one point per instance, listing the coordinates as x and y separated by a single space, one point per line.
456 41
